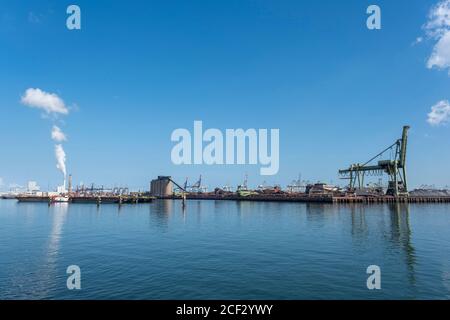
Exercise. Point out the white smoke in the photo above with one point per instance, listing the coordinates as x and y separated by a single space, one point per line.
51 104
60 159
60 154
58 135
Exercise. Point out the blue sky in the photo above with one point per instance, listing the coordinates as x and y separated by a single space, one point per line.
137 70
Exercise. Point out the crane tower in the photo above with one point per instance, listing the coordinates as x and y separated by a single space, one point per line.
395 168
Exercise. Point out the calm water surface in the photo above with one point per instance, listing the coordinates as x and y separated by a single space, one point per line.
224 250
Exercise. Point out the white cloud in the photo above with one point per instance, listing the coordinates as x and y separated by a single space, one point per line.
418 41
438 18
49 102
440 113
438 28
1 182
440 58
58 135
33 17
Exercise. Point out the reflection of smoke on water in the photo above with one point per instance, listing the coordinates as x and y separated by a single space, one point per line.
47 275
34 279
59 217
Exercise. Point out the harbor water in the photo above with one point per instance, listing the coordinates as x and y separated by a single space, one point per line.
224 250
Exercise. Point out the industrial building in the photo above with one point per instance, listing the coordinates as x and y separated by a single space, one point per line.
162 187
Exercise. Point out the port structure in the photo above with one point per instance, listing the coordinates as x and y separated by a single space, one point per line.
196 187
395 168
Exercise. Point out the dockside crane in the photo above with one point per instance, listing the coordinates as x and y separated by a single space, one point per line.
395 168
198 184
244 186
184 190
197 187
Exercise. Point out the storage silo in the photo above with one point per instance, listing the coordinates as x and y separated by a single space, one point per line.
161 187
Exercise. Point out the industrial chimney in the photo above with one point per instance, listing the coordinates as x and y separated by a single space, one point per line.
70 183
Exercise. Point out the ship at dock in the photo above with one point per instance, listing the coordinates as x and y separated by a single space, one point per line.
83 194
31 198
96 199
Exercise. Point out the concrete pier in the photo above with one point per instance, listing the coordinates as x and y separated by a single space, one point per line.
314 198
302 198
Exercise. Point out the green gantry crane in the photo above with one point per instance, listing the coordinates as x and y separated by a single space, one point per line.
395 168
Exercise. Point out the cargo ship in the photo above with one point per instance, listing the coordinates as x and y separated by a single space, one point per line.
32 198
8 196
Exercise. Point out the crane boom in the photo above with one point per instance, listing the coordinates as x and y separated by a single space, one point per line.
403 147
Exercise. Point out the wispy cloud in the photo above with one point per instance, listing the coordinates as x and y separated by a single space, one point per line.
440 113
438 29
2 183
418 41
34 17
440 58
58 135
48 102
12 186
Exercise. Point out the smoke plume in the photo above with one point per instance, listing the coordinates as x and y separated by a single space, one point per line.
52 105
60 159
58 135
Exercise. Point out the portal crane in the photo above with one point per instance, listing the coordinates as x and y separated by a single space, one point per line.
395 168
198 184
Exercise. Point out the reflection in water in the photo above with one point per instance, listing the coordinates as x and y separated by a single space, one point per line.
359 223
446 279
399 230
28 210
160 211
219 204
365 222
320 215
47 274
244 208
196 206
59 217
278 250
401 235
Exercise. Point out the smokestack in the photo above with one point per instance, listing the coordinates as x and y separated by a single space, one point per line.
70 183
